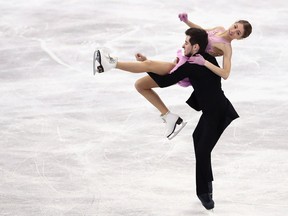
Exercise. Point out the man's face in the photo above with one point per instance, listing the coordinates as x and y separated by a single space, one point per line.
188 48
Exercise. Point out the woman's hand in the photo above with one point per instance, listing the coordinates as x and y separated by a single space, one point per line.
140 57
197 59
183 17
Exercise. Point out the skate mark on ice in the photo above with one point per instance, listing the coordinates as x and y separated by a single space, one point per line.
52 55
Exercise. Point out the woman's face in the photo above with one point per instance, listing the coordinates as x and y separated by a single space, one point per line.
236 31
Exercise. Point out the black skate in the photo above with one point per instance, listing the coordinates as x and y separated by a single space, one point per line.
97 57
206 201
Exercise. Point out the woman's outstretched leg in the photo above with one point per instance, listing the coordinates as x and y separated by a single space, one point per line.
174 123
106 62
157 67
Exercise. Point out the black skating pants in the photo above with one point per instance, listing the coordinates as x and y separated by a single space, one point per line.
205 137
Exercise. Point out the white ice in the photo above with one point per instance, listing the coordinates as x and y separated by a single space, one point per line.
77 144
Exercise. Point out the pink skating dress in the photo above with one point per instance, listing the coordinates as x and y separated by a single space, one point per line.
212 38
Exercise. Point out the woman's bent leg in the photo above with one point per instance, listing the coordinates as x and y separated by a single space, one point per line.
144 86
174 123
157 67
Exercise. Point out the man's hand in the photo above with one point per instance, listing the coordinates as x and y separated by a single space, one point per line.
140 57
197 59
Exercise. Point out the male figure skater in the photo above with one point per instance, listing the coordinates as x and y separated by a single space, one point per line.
217 111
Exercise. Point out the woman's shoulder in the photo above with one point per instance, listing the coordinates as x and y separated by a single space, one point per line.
217 28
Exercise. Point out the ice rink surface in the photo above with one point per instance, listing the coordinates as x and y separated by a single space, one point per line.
77 144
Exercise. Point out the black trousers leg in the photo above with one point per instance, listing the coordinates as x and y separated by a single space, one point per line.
205 137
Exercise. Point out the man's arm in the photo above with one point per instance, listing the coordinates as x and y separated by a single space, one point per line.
186 70
171 79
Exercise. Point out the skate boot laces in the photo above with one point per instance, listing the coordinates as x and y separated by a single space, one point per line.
111 59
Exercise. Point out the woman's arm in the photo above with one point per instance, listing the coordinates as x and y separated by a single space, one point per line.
223 72
184 17
192 25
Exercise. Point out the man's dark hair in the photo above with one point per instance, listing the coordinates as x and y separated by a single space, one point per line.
198 36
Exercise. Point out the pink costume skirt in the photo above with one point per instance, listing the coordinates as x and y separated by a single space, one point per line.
181 60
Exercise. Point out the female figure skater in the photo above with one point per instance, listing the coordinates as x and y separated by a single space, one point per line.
219 44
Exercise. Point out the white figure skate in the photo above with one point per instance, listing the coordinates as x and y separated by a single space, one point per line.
174 124
104 60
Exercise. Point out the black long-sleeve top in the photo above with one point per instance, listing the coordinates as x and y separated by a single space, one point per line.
208 95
